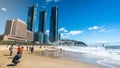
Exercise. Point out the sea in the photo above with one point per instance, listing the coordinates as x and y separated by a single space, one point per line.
106 57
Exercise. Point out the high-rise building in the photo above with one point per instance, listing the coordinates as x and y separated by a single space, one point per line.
42 22
59 37
53 36
13 28
14 32
41 27
45 39
32 11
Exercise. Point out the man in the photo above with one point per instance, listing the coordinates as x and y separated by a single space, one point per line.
18 50
11 50
32 49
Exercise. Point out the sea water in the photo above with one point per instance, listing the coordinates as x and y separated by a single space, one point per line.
108 56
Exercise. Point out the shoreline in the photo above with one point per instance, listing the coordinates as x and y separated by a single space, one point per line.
36 60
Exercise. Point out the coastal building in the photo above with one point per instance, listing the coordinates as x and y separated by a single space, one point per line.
42 22
32 10
46 39
41 36
41 28
53 36
16 30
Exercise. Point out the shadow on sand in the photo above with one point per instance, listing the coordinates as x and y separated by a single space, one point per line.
6 55
10 64
10 57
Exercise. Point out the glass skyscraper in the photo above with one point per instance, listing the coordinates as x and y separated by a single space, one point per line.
32 10
41 28
53 36
42 18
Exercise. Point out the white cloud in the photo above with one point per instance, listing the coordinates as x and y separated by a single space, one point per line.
47 31
77 32
95 28
52 1
112 30
62 30
103 41
108 42
102 30
71 33
46 2
63 36
4 9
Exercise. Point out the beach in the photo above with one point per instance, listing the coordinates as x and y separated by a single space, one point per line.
38 59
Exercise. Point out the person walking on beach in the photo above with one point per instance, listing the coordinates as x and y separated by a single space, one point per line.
11 50
32 49
20 50
27 48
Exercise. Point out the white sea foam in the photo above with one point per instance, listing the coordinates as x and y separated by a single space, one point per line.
108 56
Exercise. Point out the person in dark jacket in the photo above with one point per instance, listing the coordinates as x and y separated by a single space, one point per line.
32 49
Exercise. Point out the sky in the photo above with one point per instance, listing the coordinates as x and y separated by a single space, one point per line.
90 21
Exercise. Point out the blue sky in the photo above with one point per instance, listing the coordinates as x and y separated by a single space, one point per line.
90 21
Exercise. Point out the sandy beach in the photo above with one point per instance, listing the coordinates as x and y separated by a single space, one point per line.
38 60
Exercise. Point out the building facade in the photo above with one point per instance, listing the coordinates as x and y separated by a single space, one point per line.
29 36
32 11
16 30
53 36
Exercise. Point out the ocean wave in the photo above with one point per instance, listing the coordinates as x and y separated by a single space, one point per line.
108 56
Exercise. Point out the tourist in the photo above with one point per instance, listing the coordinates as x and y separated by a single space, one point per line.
27 48
11 50
20 50
32 49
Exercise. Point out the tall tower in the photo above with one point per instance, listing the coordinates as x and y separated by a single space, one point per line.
41 28
53 36
31 18
42 18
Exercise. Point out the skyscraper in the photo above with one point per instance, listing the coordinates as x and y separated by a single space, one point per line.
53 36
41 28
42 18
59 37
31 18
